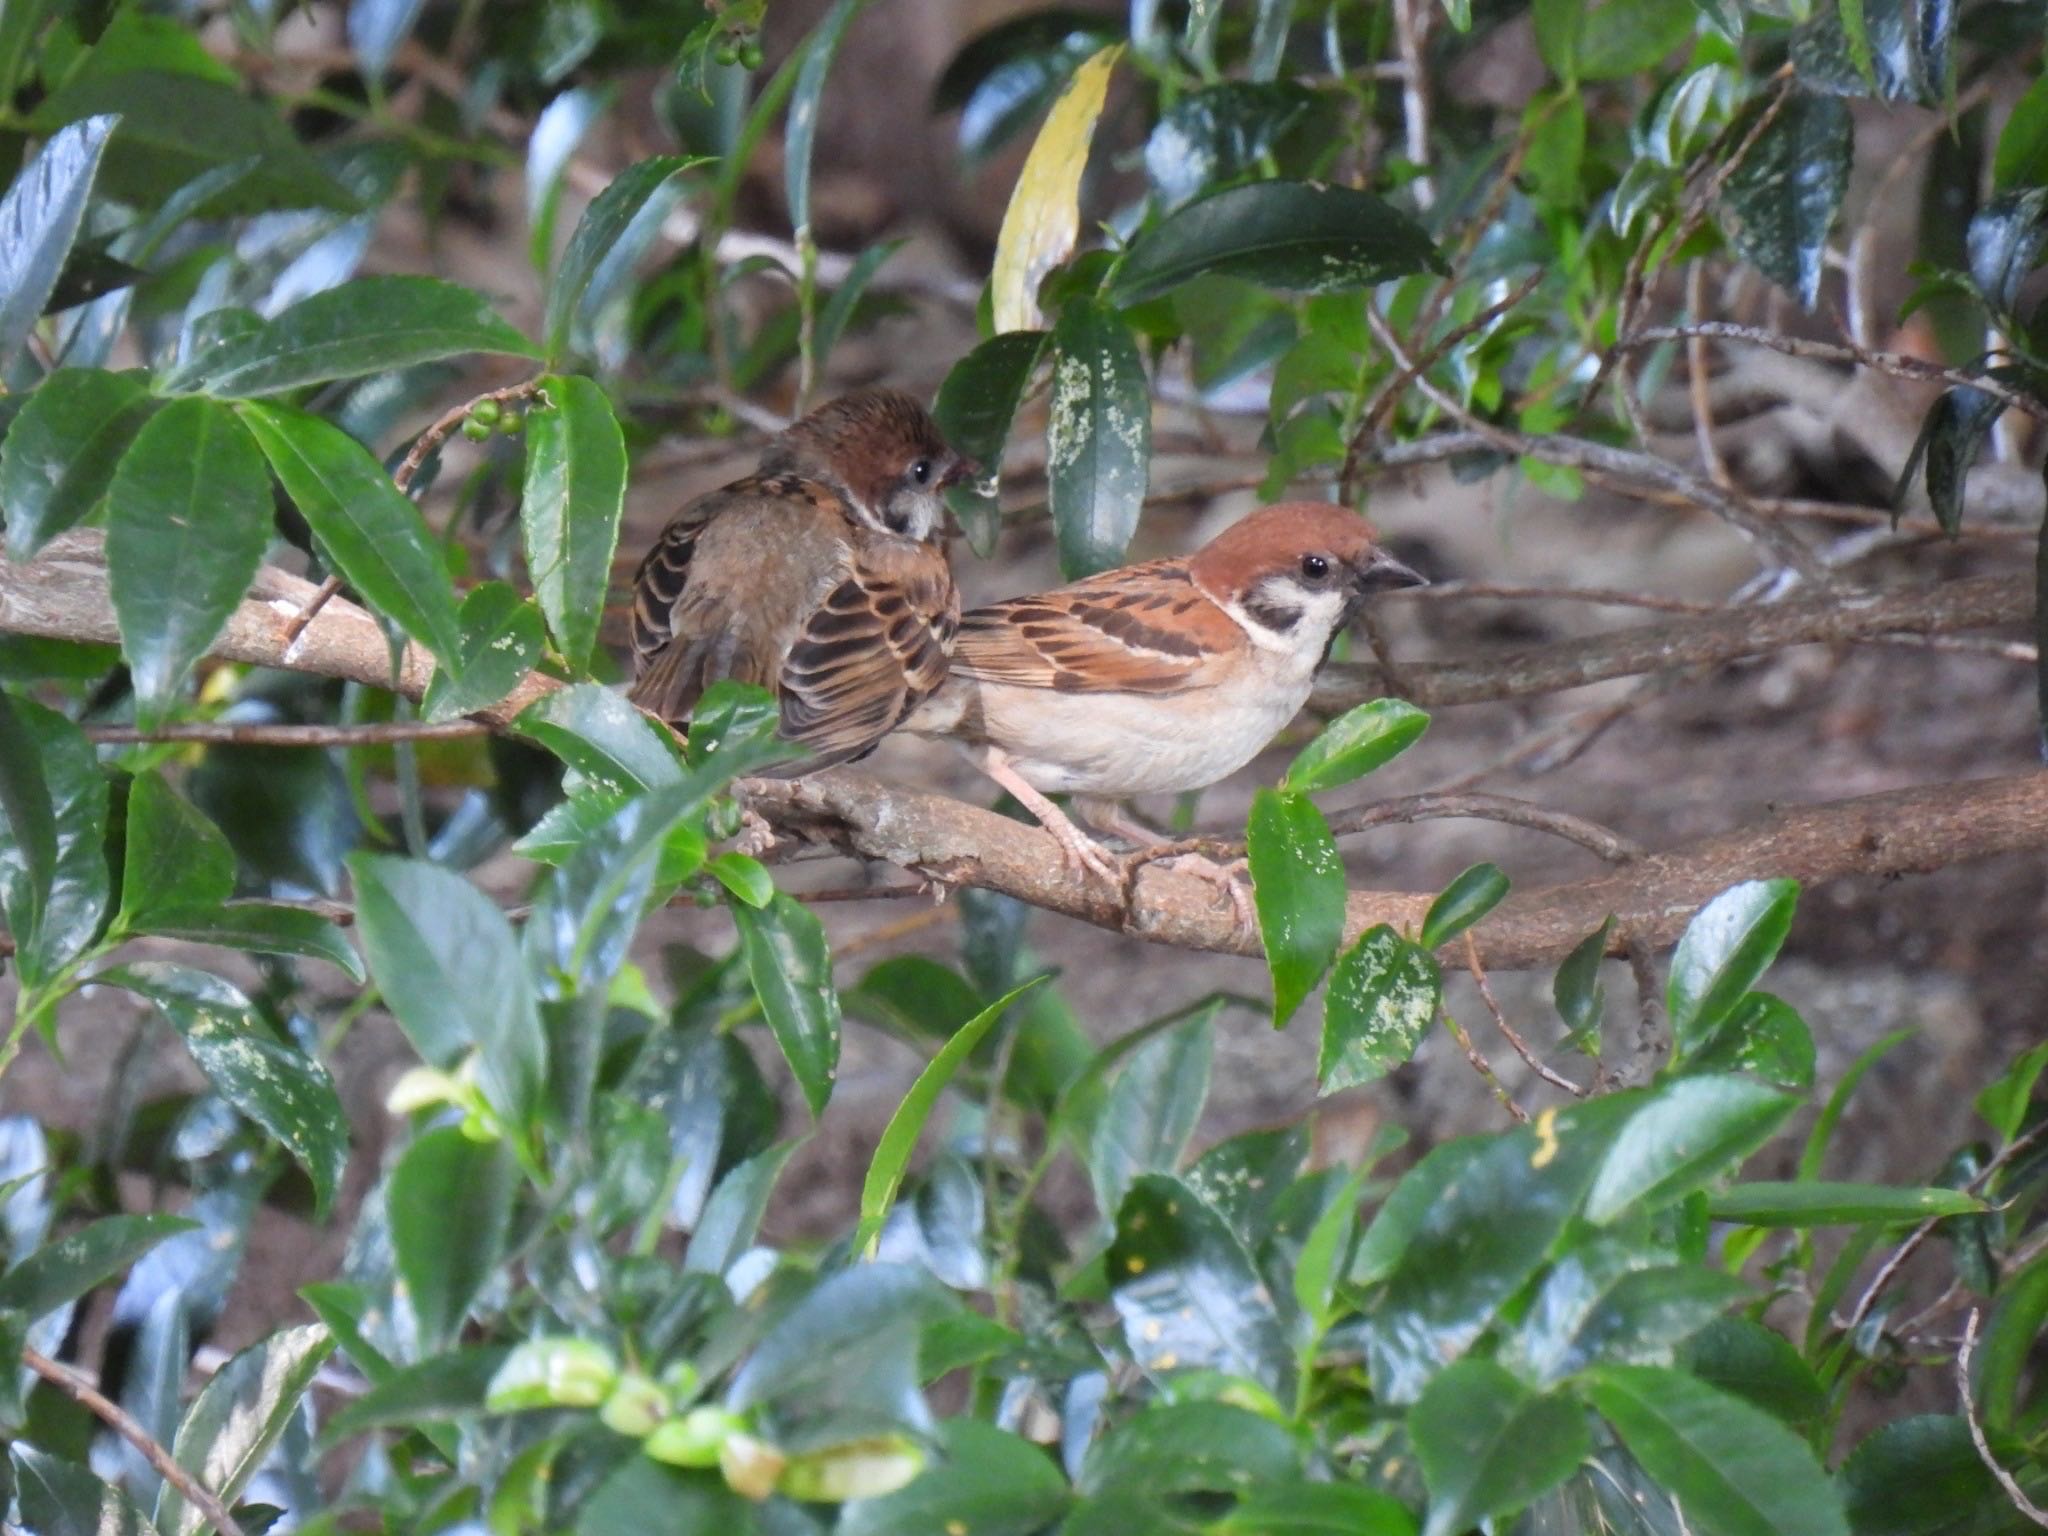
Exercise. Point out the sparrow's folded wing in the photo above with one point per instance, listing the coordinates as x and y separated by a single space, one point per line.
872 650
1142 629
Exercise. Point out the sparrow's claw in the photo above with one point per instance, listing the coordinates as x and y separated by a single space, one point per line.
1078 851
755 837
1229 879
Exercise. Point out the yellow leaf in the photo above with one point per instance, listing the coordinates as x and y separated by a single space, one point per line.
1044 216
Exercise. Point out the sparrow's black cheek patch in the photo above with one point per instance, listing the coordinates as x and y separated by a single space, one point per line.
1269 614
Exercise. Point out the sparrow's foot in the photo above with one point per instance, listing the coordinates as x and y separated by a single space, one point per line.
755 837
1078 851
1232 879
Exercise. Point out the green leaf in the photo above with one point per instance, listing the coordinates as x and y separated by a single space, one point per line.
189 516
1190 1447
1807 1204
1098 441
58 458
839 309
175 857
370 530
1354 744
449 1201
1921 1476
733 1213
1489 1446
1295 235
1153 1106
615 230
283 1090
1316 1509
376 28
601 736
175 127
2005 1100
1628 37
746 878
1727 946
987 1481
575 494
2021 159
1682 1137
1325 1250
1579 994
1857 35
1815 1152
1218 134
20 21
237 1418
445 1386
1951 436
1618 1302
974 409
1188 1292
792 972
62 1498
1464 901
1763 1036
39 219
2016 1321
65 1269
1750 1361
1779 204
259 928
501 639
1383 996
1005 77
368 325
1298 889
1734 1470
449 968
1044 214
801 128
53 821
899 1137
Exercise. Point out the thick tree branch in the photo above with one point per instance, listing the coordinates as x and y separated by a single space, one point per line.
64 594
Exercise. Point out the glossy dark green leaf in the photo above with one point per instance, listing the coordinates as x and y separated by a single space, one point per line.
1244 1177
1578 992
175 126
1152 1107
986 1481
54 881
1489 1446
1219 133
1830 1117
62 1498
2005 1100
1316 1509
367 325
1951 436
1921 1476
1751 1361
791 966
1627 37
59 455
39 218
1820 1204
2009 1337
257 927
502 637
575 493
557 133
1005 77
1188 1293
1763 1036
1463 902
2021 159
601 736
287 811
449 1203
54 878
1466 1228
372 533
1191 1447
1383 996
1727 946
441 1387
1296 235
175 857
449 968
1298 889
617 228
801 128
283 1090
189 516
1683 1136
1354 744
899 1137
239 1416
1780 203
733 1213
1616 1302
1098 442
718 1108
974 409
1733 1469
65 1269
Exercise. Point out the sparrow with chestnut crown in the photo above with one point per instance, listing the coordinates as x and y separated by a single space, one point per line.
1156 678
822 577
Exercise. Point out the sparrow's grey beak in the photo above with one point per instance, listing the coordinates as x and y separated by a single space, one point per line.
1383 573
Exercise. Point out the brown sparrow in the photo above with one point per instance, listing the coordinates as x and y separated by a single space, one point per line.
822 577
1155 678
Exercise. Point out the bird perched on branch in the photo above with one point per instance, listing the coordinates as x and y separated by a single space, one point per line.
822 577
1155 678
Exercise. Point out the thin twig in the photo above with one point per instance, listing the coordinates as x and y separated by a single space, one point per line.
901 928
238 733
1409 30
2006 1480
1500 1020
1590 835
1485 1069
74 1385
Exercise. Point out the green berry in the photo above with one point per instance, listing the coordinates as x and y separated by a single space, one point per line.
750 56
726 53
485 411
476 431
511 423
693 1440
553 1373
635 1407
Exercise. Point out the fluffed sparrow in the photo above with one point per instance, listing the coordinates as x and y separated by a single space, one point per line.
1155 678
823 577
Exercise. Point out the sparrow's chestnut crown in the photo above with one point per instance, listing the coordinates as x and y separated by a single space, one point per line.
882 451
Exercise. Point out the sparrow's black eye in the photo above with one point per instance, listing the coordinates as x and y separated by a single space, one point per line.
1315 567
921 471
